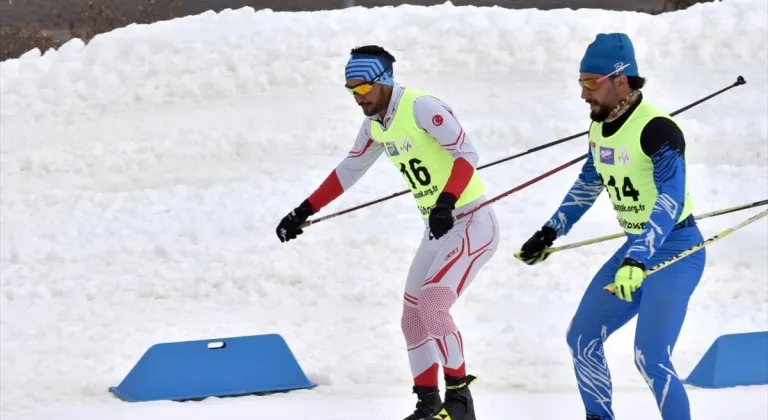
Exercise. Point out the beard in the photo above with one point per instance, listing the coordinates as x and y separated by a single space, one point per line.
369 109
372 108
601 114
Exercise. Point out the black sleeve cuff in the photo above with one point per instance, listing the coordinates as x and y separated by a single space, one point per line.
305 209
447 199
549 234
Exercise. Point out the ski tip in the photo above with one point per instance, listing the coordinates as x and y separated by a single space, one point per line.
740 80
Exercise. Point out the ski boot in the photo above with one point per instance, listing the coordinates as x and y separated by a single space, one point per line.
458 404
427 404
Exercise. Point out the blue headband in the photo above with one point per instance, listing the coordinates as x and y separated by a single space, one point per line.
367 67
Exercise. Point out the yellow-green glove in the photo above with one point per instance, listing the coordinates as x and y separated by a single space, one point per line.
628 279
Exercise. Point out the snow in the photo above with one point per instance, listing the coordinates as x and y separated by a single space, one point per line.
143 176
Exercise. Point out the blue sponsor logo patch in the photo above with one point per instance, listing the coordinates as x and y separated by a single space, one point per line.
606 155
392 149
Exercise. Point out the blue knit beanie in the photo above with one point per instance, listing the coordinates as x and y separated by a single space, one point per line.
609 52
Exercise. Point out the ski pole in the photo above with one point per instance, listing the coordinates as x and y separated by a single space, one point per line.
621 234
611 288
739 81
520 187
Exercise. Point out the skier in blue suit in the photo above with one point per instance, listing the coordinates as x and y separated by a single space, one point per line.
636 154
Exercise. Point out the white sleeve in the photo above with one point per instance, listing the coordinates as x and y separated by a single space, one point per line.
439 120
360 158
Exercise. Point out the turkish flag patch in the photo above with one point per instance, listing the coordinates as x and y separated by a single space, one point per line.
437 120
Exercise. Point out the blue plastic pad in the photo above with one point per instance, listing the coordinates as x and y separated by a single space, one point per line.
193 370
733 360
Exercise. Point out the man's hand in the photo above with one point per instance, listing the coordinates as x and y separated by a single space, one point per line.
629 278
441 216
533 250
289 228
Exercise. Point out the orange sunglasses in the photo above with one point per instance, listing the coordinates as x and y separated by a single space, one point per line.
361 89
592 84
365 87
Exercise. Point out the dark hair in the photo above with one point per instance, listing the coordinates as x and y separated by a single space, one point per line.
374 50
635 82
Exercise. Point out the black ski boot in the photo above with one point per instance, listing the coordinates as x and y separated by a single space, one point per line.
427 404
458 404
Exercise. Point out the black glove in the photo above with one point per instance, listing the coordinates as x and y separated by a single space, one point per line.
289 228
532 251
441 216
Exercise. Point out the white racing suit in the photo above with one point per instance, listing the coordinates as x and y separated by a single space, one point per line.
441 269
440 272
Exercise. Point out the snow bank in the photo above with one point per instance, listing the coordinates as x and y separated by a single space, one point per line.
212 56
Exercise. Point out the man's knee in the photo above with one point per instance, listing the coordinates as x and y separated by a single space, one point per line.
412 327
434 310
653 360
572 336
583 338
408 316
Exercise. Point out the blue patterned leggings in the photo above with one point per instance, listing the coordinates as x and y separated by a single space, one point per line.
660 304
